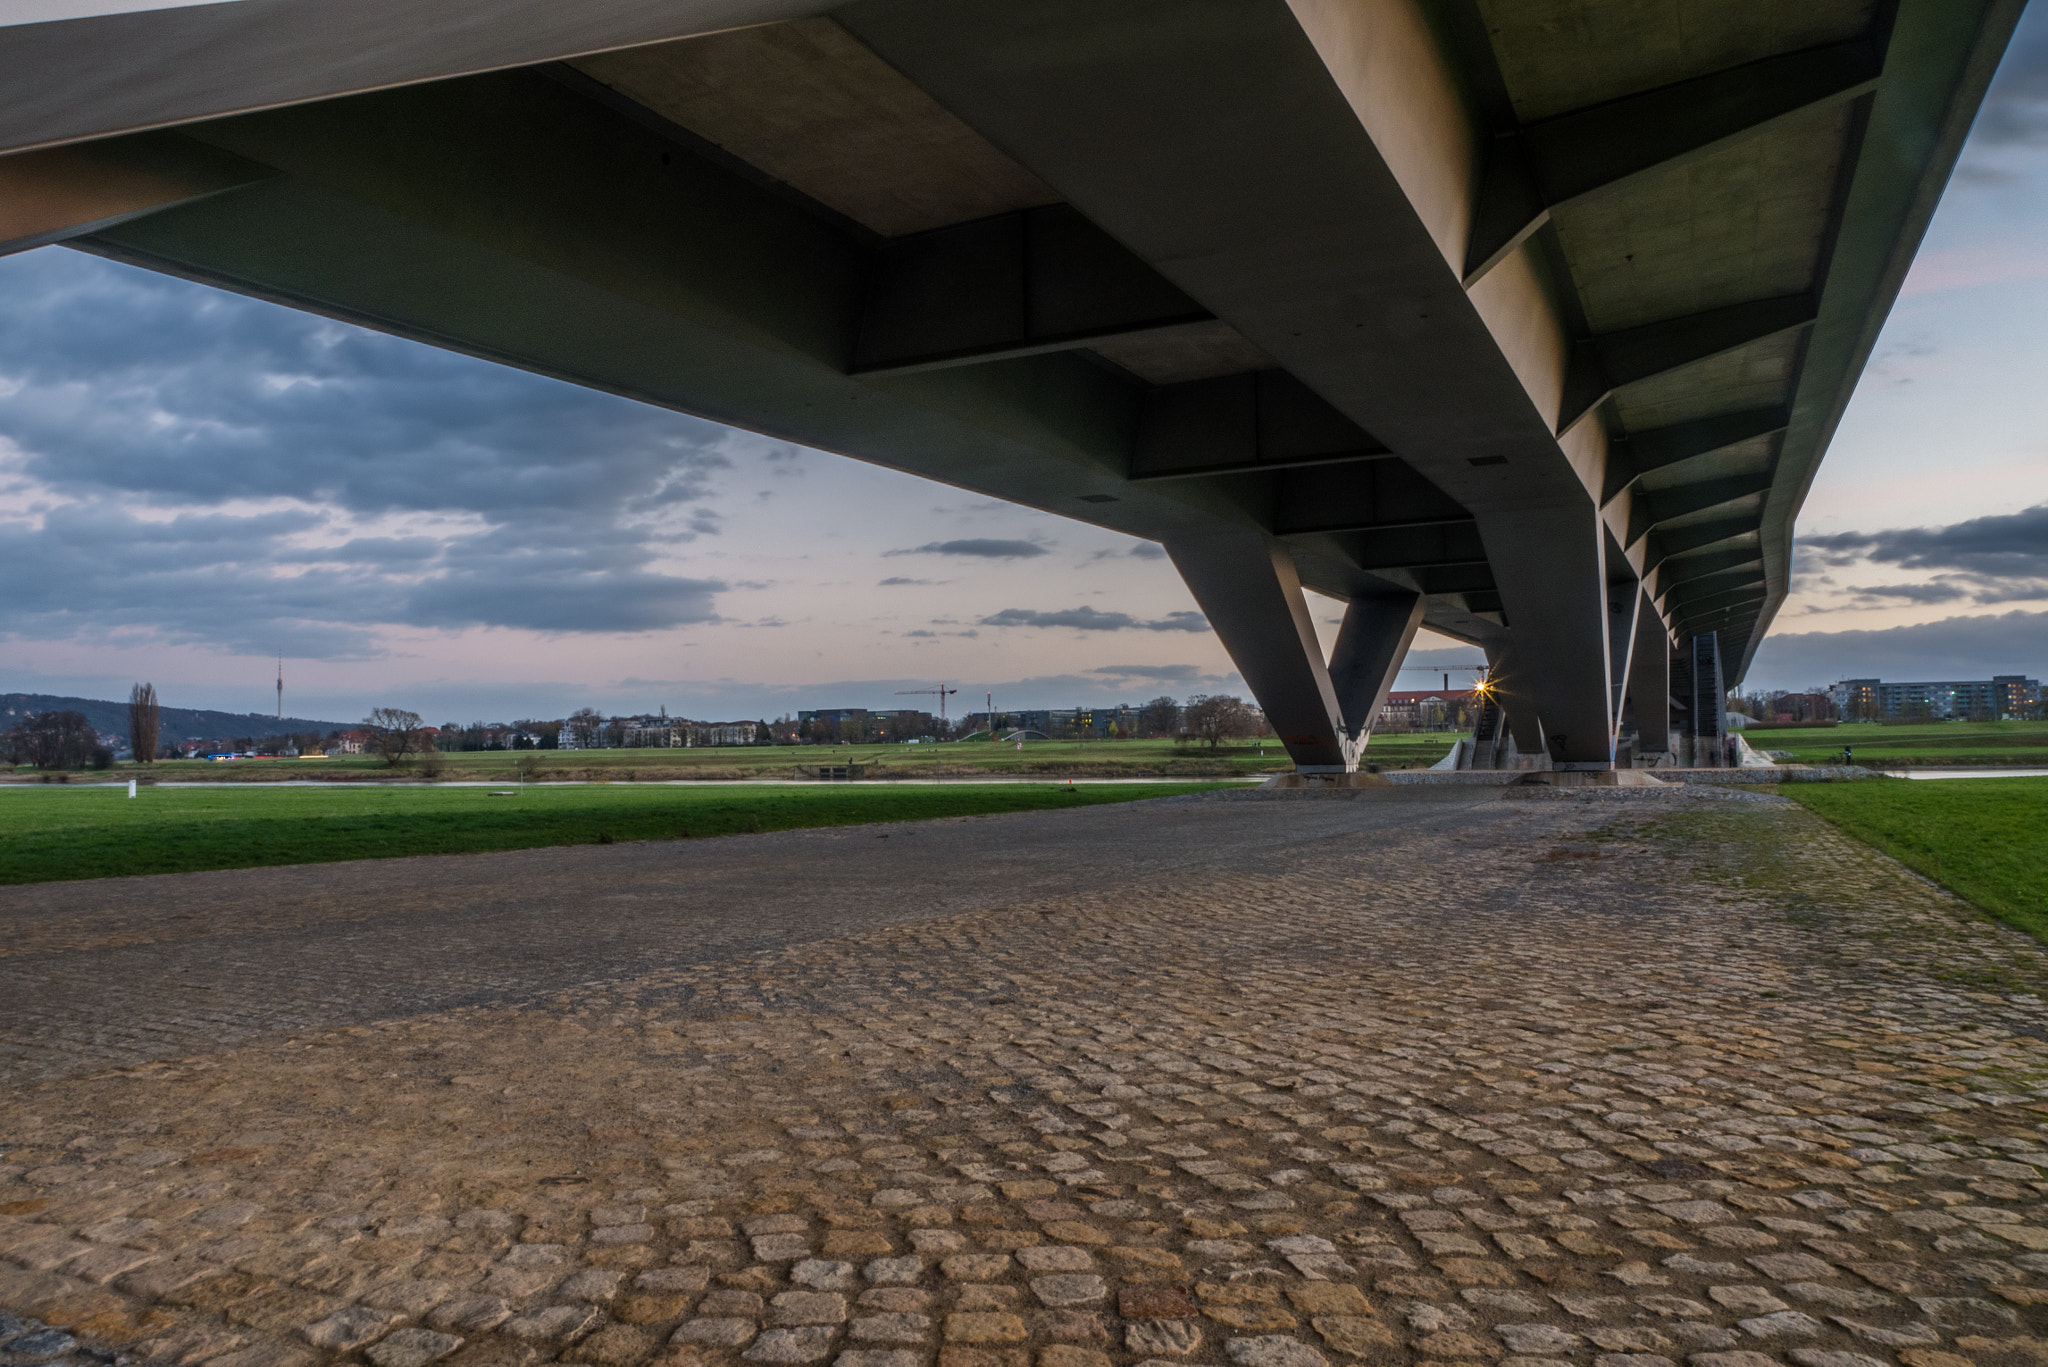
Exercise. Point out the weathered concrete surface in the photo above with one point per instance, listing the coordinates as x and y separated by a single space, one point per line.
1617 1077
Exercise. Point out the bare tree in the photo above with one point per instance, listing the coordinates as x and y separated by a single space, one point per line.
394 732
1160 717
56 740
144 718
585 725
1217 718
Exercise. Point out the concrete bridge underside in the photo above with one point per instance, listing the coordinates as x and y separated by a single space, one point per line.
1527 321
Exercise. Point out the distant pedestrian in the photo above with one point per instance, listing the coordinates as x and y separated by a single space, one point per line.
1848 754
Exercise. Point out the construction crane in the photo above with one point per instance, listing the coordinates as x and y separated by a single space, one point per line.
941 690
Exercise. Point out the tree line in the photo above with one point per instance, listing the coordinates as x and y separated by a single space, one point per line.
66 740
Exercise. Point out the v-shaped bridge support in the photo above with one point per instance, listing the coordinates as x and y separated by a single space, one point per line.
1323 713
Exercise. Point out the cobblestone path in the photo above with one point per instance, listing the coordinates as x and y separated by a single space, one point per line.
120 971
1622 1079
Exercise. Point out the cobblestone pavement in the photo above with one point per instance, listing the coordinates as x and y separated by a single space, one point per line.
1610 1079
130 969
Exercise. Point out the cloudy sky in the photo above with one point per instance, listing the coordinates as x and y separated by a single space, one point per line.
192 483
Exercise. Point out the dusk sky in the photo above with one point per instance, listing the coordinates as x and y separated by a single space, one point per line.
192 482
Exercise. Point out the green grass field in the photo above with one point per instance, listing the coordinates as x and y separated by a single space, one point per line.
55 833
1983 839
1961 744
1106 759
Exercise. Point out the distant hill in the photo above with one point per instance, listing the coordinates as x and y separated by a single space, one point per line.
178 723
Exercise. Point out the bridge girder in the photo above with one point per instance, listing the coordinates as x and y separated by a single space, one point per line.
1468 324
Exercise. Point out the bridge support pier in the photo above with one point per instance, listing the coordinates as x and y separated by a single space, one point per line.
1649 681
1624 604
1247 586
1371 644
1552 573
1510 686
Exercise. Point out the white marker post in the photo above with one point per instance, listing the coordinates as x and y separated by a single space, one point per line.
131 787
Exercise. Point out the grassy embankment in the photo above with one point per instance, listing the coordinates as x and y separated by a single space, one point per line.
70 833
965 759
1956 744
1984 839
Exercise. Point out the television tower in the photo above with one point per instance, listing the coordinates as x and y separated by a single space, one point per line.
280 685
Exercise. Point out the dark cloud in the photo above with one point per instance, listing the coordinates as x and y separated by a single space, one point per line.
194 466
1179 674
2013 545
980 547
1179 621
1144 550
237 581
1998 559
619 602
1458 661
2015 109
1952 648
2013 120
1090 619
1940 591
896 581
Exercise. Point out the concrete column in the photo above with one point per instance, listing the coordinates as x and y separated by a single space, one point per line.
1510 687
1623 603
1247 586
1550 566
1370 647
1649 680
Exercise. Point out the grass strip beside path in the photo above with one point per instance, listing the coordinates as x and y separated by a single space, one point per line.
49 834
1961 744
1983 839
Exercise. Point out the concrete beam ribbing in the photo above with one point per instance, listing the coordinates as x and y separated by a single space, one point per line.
1243 424
73 80
1637 454
1683 500
1533 169
1695 567
1037 280
1600 365
65 192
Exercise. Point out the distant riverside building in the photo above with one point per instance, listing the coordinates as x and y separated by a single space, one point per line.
841 715
1432 709
721 733
1999 697
1060 723
1794 707
835 724
660 733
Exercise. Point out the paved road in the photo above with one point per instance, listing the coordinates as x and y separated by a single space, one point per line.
1529 1079
118 971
